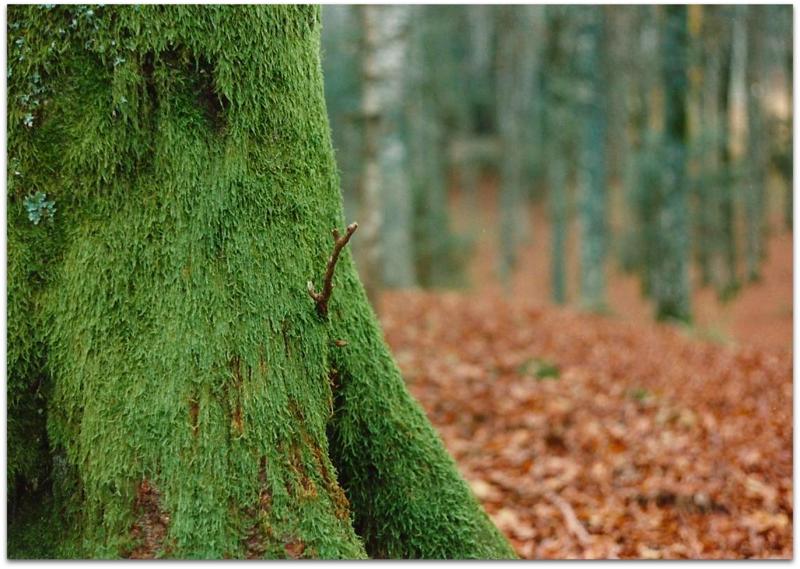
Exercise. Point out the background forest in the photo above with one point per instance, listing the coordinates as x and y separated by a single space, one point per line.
632 163
652 141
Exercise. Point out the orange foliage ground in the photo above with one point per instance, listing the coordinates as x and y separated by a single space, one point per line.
647 444
649 441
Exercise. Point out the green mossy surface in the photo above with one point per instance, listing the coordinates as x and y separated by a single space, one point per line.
163 313
407 496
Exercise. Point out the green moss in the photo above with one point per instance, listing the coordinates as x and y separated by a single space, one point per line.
188 152
408 498
640 394
540 369
28 383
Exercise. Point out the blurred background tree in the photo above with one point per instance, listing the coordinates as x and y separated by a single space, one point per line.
651 139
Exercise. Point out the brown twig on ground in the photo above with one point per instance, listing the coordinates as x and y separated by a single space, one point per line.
321 298
573 524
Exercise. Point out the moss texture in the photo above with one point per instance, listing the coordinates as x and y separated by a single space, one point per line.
192 389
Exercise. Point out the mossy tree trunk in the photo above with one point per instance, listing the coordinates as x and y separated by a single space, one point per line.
200 407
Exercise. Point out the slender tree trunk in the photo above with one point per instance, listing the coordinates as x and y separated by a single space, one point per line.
388 254
534 169
726 240
788 207
201 407
592 159
756 156
559 128
427 168
513 90
619 54
480 22
341 38
438 254
707 186
371 207
642 175
671 290
557 185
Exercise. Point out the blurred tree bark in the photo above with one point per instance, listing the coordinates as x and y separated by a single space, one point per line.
559 129
372 111
439 254
788 162
756 155
341 41
592 157
480 20
706 187
725 242
388 256
515 65
642 172
671 283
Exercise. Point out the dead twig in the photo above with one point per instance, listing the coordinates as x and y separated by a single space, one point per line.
321 298
573 524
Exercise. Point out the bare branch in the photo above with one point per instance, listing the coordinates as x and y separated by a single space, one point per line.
574 525
321 298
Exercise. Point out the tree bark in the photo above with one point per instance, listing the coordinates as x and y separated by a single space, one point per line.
592 160
756 151
439 252
386 205
516 63
706 188
788 206
560 130
672 272
391 63
726 239
480 21
642 172
201 407
341 39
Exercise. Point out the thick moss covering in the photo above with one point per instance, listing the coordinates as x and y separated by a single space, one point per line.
162 309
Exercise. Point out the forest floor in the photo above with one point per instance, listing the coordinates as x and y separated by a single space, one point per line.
603 436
